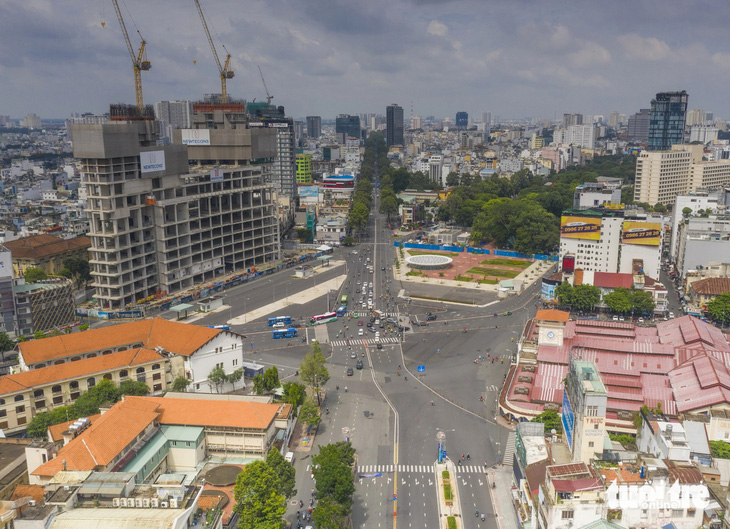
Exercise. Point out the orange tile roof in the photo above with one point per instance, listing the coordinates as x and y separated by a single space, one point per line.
193 412
34 491
552 315
104 439
712 286
179 338
39 246
56 430
77 369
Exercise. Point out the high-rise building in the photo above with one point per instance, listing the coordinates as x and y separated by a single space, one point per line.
572 119
662 175
174 113
584 410
31 121
157 225
314 126
298 132
580 135
703 134
667 120
283 168
613 120
695 117
638 129
304 168
487 118
394 125
416 122
462 120
349 126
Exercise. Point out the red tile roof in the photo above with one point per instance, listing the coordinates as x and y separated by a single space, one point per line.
40 246
712 286
179 338
552 315
612 280
56 431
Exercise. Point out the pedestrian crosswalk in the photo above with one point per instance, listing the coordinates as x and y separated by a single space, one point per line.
492 388
371 341
412 469
509 449
366 312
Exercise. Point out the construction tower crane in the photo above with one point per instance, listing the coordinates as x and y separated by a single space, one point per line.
269 97
225 70
139 62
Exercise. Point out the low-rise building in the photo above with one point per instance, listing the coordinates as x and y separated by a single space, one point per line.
44 305
46 252
703 291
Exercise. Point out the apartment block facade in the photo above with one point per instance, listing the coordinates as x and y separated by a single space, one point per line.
158 225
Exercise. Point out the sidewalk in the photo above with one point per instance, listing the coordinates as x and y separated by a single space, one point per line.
501 496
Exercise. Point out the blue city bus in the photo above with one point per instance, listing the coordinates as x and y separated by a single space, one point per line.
291 332
279 319
342 311
221 327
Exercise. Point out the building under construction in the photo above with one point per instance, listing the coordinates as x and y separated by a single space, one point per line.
165 218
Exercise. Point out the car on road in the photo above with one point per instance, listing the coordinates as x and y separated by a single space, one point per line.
359 364
431 317
382 268
350 372
357 290
353 354
403 328
360 332
615 318
279 325
671 315
376 321
354 252
380 346
392 320
372 329
359 323
358 282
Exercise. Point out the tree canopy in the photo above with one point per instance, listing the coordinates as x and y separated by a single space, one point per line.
333 472
312 370
551 420
719 308
259 502
33 274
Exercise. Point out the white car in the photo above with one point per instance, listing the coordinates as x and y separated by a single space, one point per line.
671 315
360 332
279 325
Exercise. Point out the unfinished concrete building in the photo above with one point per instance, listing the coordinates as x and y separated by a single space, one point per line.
160 225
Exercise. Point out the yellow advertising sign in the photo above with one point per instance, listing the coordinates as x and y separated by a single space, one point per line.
646 233
580 228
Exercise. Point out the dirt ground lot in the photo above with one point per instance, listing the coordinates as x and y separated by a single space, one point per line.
464 262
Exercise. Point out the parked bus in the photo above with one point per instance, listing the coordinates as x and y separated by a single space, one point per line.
323 318
342 311
291 332
343 300
279 319
221 327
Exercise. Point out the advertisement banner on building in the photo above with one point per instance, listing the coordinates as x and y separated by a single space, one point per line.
646 233
308 191
195 136
568 420
216 175
152 161
580 228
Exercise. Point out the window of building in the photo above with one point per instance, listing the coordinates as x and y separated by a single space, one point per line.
20 409
56 389
58 400
157 387
590 444
235 362
38 393
90 382
677 513
40 403
595 427
18 398
74 384
22 420
691 513
3 413
567 515
591 411
123 373
155 366
3 425
157 376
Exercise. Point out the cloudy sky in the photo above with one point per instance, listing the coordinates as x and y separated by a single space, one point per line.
513 58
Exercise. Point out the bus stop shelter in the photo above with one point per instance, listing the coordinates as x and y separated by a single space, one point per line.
182 308
325 259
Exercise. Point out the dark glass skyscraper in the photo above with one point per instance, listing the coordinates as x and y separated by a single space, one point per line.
314 126
667 119
394 125
462 120
348 125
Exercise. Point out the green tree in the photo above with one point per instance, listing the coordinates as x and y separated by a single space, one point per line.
329 514
348 241
6 344
585 297
564 293
259 504
258 384
132 387
720 449
34 274
180 384
271 378
389 206
719 308
294 394
334 477
686 212
78 268
304 235
452 179
619 300
285 471
217 377
312 370
642 302
236 376
309 413
551 420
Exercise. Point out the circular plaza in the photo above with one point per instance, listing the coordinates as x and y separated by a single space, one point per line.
428 262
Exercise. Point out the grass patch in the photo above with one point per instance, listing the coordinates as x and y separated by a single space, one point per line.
463 278
507 262
414 273
448 495
445 474
488 281
496 272
426 252
451 522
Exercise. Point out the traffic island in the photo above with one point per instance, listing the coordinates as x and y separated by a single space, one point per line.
448 497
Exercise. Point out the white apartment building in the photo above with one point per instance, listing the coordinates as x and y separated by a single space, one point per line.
579 135
158 226
703 134
284 169
695 201
435 164
662 175
510 165
597 194
610 248
702 240
710 175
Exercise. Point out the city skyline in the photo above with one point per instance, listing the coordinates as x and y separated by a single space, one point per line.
514 60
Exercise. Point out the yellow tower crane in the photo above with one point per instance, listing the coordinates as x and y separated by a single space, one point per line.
139 62
225 70
269 97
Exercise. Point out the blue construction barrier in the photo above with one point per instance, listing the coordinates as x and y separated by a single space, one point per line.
479 251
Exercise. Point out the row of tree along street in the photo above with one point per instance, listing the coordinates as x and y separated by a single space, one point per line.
620 300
